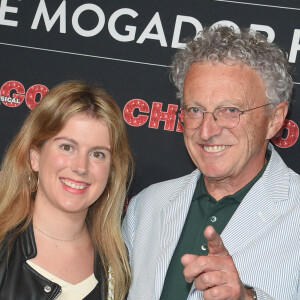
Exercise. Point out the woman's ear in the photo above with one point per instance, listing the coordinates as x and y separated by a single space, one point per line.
34 159
277 118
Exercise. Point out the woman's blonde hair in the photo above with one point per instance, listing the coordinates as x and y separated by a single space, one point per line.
18 180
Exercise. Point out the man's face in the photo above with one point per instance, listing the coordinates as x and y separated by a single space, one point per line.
235 155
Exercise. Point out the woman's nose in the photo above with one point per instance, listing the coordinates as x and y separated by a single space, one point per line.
80 164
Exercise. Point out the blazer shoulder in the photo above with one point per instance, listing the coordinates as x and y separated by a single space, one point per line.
170 186
157 194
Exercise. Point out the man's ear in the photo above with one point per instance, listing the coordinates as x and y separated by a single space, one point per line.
277 118
34 159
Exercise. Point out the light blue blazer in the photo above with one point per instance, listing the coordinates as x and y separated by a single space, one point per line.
263 235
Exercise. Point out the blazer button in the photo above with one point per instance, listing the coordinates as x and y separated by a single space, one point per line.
47 288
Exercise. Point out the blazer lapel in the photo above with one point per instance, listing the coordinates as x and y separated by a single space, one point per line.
172 219
259 208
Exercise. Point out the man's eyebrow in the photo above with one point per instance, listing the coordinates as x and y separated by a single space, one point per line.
226 102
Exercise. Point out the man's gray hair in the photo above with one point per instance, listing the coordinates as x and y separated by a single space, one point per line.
227 45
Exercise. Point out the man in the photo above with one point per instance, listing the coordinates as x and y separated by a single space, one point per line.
230 229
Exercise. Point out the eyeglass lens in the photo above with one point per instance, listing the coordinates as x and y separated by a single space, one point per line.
223 117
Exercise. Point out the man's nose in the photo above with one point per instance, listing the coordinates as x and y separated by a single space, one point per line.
209 127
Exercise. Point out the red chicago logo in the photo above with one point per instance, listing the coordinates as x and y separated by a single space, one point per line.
13 93
287 136
136 113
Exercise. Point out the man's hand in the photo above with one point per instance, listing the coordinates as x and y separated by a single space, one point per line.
215 274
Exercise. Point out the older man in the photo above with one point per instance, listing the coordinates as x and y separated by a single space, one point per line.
230 229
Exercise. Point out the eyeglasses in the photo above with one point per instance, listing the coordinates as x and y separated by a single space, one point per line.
226 117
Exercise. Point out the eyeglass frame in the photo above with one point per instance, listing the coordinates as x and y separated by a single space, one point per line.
241 112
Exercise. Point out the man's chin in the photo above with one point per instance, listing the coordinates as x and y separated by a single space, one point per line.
215 173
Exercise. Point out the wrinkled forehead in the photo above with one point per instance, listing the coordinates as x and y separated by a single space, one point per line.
238 83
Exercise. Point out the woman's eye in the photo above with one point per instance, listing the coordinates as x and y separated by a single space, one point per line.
66 147
98 155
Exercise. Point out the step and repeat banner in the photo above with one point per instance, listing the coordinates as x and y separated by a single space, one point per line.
126 47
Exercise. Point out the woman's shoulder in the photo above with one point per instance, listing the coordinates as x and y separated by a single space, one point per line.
18 237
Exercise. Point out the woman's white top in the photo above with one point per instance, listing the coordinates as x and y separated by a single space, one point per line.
69 291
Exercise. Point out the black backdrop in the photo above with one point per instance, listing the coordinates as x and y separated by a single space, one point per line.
126 47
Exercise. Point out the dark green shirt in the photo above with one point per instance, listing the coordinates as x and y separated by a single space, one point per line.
204 210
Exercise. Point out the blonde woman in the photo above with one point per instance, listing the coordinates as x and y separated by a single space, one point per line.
63 185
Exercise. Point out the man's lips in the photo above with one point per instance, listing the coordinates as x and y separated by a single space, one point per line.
215 149
74 184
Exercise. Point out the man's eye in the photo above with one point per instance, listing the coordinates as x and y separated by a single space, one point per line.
66 147
229 111
193 110
232 110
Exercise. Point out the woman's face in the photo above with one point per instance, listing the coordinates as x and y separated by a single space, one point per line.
73 167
